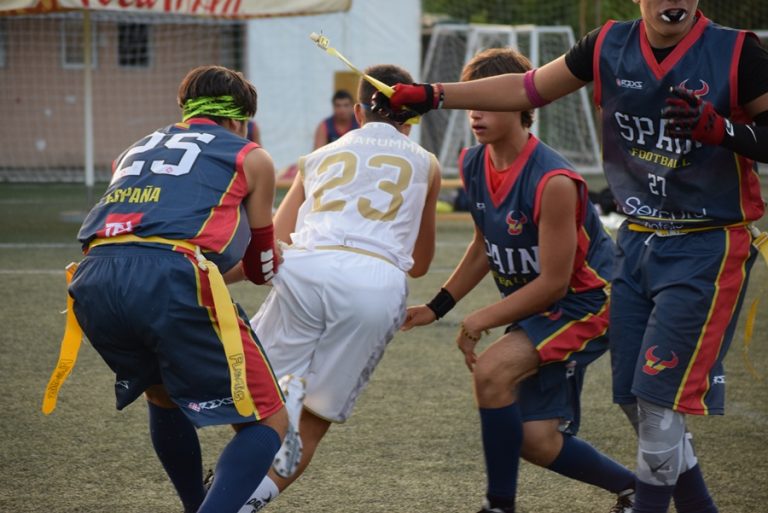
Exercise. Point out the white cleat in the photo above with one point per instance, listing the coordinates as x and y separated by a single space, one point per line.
288 457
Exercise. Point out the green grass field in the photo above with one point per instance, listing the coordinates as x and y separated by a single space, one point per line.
411 446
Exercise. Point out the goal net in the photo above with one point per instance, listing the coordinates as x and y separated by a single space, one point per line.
137 62
567 125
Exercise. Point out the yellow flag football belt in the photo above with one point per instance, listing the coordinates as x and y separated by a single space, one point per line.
229 330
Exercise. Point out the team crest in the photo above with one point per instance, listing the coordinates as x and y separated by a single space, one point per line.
701 91
515 222
654 364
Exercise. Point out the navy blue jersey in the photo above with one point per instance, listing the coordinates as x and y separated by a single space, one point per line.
658 181
331 134
183 182
508 218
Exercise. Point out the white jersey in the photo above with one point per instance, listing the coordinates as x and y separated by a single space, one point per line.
365 191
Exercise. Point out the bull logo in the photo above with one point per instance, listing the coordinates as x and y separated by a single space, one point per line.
702 91
654 364
515 224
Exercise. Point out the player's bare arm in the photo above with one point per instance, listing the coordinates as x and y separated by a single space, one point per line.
507 92
262 252
288 211
260 176
424 249
557 248
468 273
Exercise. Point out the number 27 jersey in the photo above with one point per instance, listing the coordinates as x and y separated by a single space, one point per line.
366 190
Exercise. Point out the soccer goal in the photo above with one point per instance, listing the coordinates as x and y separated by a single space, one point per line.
79 86
567 124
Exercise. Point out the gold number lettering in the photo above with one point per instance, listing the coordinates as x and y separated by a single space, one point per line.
349 171
349 161
394 188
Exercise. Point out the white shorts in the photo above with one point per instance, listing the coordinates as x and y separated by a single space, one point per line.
328 319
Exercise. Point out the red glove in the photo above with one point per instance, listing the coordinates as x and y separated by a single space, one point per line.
689 117
260 261
407 101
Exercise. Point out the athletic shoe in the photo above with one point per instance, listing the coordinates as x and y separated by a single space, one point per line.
624 502
288 457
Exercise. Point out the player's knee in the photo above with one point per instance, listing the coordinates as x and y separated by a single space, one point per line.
661 454
158 395
542 442
494 373
489 377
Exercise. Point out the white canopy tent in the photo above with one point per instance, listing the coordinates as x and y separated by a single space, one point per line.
295 79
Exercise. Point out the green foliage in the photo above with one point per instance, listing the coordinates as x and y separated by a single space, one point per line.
584 15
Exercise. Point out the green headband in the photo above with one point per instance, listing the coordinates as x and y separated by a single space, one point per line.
218 106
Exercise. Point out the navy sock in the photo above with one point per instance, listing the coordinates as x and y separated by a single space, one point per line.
691 494
242 465
579 460
651 498
178 448
502 432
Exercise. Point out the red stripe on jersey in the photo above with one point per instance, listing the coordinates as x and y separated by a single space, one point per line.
733 75
574 336
750 197
598 92
584 277
582 192
221 225
661 69
728 285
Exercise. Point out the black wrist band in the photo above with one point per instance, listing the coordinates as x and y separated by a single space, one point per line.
442 303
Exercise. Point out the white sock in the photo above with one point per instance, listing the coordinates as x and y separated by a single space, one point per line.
264 493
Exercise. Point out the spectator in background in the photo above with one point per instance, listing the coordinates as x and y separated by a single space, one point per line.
254 135
342 121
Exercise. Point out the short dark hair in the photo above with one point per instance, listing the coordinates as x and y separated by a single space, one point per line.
387 73
219 81
342 94
498 61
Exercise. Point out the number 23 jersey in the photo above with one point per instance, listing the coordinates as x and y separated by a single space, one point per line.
366 190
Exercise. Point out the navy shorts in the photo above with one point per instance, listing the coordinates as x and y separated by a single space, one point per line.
149 313
675 302
568 338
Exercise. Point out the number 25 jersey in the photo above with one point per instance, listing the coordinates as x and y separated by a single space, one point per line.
183 182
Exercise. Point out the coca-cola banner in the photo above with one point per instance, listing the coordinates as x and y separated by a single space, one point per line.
227 8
